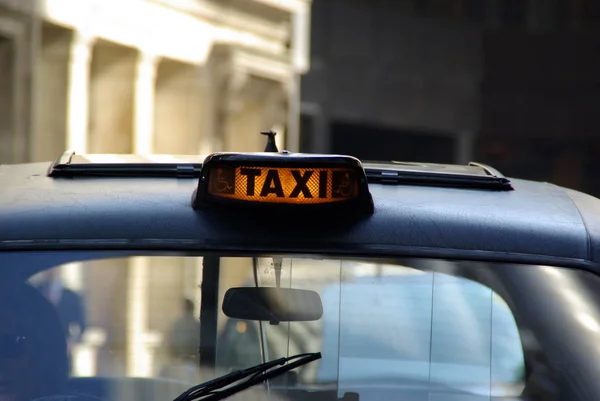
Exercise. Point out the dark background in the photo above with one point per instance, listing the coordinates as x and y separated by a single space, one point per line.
511 83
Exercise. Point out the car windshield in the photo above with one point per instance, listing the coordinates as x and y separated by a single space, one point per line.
150 327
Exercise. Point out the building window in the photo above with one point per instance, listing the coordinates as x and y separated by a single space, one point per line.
543 14
474 11
513 13
590 13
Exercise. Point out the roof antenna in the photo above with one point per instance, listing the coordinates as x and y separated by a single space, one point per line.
271 146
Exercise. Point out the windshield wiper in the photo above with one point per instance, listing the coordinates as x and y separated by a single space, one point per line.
258 374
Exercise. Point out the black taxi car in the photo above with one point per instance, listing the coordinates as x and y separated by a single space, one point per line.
319 277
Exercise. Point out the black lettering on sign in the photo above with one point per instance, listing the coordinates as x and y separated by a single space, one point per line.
222 181
251 174
323 184
272 185
343 184
301 184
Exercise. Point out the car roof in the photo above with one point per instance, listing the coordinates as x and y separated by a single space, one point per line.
534 223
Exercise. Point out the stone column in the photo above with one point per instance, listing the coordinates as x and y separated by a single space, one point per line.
143 110
78 92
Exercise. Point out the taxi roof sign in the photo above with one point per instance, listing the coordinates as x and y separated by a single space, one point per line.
283 180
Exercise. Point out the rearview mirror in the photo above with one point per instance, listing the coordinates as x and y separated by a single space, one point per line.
272 304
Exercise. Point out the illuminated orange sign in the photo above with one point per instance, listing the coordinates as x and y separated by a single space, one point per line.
283 185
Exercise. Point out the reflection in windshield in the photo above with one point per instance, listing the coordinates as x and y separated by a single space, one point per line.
33 347
402 328
182 344
69 305
400 325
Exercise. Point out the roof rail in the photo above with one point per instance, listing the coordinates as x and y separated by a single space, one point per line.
490 170
70 164
473 175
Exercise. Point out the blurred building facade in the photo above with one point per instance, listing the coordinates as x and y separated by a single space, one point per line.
512 83
149 77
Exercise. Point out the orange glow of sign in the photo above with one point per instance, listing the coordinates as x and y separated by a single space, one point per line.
301 186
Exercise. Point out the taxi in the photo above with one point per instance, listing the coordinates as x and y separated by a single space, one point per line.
306 277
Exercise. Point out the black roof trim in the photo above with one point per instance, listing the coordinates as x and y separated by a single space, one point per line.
471 176
69 164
